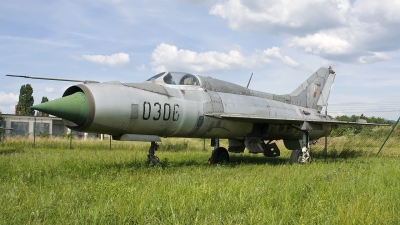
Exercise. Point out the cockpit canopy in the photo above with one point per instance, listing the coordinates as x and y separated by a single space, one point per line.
210 84
175 78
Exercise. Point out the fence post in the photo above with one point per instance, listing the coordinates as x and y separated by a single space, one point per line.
70 138
34 132
3 123
326 137
387 138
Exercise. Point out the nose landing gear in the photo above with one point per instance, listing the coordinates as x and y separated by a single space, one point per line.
152 159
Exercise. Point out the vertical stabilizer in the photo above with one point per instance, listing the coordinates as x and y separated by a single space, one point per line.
314 92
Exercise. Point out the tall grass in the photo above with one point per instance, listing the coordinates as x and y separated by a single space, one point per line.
90 184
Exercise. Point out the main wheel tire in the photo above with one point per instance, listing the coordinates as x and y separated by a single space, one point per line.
153 160
219 155
296 156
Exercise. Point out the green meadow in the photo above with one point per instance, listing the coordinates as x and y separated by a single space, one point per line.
49 183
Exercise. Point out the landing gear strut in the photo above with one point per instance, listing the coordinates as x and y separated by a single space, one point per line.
219 154
152 159
302 155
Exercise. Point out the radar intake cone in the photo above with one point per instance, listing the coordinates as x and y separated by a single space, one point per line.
74 108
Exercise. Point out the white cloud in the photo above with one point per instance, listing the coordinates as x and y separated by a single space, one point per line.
49 90
373 57
141 68
282 16
321 43
8 102
275 52
118 59
169 57
375 9
340 30
8 98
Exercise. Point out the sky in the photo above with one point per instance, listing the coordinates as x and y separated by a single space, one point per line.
282 42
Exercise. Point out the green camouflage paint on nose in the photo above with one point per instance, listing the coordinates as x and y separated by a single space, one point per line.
73 107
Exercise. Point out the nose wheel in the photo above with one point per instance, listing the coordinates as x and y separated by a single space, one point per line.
152 159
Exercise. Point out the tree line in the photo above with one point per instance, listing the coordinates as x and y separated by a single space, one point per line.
351 130
25 101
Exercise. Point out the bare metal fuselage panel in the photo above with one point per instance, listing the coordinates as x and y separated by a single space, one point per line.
202 107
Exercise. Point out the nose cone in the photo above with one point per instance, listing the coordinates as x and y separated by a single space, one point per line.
73 107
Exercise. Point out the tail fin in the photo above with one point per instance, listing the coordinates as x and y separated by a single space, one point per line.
314 92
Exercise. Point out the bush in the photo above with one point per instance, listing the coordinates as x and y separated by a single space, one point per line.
174 146
68 136
43 135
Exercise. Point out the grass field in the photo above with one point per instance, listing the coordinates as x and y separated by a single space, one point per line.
90 184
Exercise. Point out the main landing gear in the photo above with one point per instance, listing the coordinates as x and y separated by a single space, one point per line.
219 154
152 159
302 155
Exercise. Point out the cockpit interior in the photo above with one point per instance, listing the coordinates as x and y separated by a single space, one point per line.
175 78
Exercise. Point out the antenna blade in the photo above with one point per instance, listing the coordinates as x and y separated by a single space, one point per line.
249 81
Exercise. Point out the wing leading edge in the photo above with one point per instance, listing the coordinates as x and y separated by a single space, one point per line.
277 120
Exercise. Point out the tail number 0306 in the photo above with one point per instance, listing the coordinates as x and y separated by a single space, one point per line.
164 112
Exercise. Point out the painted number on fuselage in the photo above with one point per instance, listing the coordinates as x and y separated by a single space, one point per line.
165 111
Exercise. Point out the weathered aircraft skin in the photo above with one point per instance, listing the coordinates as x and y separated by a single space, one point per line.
174 104
211 109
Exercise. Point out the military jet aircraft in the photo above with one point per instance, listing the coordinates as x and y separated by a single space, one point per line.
176 104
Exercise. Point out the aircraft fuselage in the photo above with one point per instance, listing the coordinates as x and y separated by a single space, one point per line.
184 111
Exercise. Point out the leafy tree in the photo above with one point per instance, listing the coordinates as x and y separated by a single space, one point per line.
44 99
25 101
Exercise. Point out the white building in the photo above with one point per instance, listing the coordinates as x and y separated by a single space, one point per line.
28 126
